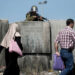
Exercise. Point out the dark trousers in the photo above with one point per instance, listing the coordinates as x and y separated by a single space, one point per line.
12 67
67 57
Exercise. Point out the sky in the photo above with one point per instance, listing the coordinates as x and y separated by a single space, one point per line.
15 10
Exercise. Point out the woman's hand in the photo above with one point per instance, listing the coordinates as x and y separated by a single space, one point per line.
57 53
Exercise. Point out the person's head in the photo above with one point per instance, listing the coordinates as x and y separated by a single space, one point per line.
70 22
34 8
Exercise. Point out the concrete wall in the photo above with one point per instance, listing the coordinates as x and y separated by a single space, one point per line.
36 44
35 37
56 26
3 29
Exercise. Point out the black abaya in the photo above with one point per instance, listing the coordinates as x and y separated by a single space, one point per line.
12 67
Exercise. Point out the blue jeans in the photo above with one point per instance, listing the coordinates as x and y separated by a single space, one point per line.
67 57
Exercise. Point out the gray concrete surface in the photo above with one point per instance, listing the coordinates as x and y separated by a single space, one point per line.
4 24
1 73
34 63
34 73
35 37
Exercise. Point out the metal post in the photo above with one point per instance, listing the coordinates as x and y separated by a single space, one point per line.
42 3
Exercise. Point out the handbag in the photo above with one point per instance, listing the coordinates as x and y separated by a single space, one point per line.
58 63
13 47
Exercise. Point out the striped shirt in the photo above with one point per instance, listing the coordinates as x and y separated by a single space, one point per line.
66 38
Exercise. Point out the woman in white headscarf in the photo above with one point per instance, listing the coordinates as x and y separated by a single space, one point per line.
12 67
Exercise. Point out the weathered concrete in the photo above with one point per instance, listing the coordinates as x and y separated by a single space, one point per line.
56 26
34 63
35 37
3 29
34 73
1 73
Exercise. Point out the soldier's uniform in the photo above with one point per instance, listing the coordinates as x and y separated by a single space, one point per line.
30 16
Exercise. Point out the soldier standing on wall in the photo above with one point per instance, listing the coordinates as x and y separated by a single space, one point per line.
33 15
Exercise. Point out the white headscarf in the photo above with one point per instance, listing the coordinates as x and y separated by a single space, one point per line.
12 32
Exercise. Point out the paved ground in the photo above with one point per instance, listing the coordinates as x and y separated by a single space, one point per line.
1 73
43 73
